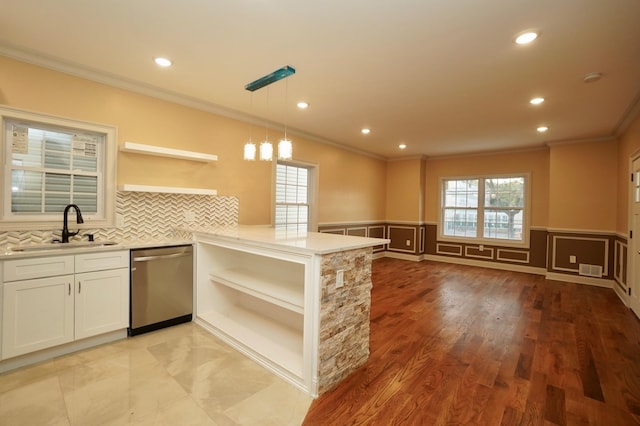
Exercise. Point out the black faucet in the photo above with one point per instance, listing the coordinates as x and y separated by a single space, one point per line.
65 228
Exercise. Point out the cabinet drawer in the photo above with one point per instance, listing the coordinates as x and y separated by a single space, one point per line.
102 260
24 269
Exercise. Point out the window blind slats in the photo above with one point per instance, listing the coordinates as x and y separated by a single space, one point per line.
66 170
26 202
292 189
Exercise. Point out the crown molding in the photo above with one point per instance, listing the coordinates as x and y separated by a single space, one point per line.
92 74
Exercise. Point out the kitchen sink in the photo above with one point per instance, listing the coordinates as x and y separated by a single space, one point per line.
63 246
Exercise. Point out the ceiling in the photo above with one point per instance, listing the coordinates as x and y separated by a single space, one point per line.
441 76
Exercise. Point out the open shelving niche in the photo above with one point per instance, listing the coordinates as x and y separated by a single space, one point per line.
255 301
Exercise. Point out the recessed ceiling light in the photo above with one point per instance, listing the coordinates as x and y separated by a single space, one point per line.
536 101
365 131
526 38
591 77
303 105
542 129
402 146
163 62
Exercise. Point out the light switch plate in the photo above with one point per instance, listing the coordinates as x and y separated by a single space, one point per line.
339 278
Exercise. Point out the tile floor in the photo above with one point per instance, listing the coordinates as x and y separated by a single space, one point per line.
176 376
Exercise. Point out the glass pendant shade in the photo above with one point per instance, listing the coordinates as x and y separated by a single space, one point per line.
266 151
250 151
285 149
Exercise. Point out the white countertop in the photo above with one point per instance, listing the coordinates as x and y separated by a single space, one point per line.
9 251
308 242
300 241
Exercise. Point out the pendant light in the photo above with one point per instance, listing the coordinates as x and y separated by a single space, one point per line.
250 147
250 151
285 147
266 149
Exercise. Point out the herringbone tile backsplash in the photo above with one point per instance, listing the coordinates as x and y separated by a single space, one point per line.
148 215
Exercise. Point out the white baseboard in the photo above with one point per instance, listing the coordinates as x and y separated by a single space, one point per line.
56 351
379 255
621 294
403 256
598 282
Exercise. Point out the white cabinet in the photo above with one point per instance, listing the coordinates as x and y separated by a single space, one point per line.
101 302
87 295
37 314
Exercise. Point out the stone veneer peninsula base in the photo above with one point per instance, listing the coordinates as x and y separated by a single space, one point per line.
276 297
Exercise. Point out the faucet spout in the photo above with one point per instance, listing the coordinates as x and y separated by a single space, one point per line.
65 225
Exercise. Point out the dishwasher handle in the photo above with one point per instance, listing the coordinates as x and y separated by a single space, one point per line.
161 256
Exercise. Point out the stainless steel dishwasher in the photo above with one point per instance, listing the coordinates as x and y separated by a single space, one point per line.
161 287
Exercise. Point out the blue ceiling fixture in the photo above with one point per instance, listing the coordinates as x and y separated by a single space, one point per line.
278 74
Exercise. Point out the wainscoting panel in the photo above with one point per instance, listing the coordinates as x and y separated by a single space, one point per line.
377 231
569 251
620 262
477 253
403 238
605 251
337 231
533 256
371 230
358 232
449 249
517 256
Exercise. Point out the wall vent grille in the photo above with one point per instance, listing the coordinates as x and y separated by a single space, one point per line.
590 270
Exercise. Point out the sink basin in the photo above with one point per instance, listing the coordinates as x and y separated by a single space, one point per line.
61 246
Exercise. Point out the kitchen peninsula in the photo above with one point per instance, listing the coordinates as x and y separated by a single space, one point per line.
296 302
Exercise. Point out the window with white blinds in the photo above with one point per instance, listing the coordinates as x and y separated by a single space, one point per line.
292 197
51 163
53 168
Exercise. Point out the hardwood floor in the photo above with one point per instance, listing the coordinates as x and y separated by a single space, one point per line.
453 344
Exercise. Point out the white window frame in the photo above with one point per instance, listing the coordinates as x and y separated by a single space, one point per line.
106 215
503 242
312 187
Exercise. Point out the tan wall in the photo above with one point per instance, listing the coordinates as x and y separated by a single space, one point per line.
535 162
628 147
351 185
404 190
583 190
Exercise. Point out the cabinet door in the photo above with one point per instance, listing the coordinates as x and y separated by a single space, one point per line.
102 302
37 314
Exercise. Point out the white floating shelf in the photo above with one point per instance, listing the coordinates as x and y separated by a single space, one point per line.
167 189
159 151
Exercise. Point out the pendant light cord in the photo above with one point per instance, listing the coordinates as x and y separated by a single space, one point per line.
286 102
266 117
251 122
